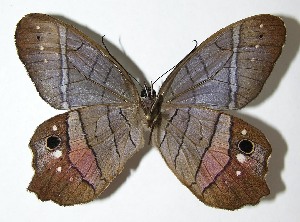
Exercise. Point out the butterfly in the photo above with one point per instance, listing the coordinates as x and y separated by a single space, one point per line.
220 158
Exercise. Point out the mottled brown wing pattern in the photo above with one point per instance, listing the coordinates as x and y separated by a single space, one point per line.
68 69
229 69
56 178
114 134
78 154
204 148
220 158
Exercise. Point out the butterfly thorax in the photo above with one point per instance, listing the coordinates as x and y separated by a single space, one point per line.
151 104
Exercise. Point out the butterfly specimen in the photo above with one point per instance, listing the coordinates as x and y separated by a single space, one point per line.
220 158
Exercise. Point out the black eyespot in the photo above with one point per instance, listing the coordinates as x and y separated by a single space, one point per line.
52 142
38 37
261 36
246 146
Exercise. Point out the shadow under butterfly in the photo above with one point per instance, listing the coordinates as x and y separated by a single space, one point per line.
220 158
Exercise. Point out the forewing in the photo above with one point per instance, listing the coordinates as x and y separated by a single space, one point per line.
220 158
229 69
78 154
68 69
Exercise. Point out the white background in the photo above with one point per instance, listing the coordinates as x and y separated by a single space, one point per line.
148 38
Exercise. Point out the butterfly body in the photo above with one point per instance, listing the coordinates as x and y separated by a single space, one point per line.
220 158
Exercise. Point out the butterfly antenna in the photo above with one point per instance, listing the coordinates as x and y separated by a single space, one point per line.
109 52
162 75
196 43
135 80
152 90
117 60
102 40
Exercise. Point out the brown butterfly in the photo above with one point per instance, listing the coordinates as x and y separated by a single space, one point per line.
220 158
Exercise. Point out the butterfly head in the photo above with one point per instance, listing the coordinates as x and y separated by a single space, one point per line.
148 92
